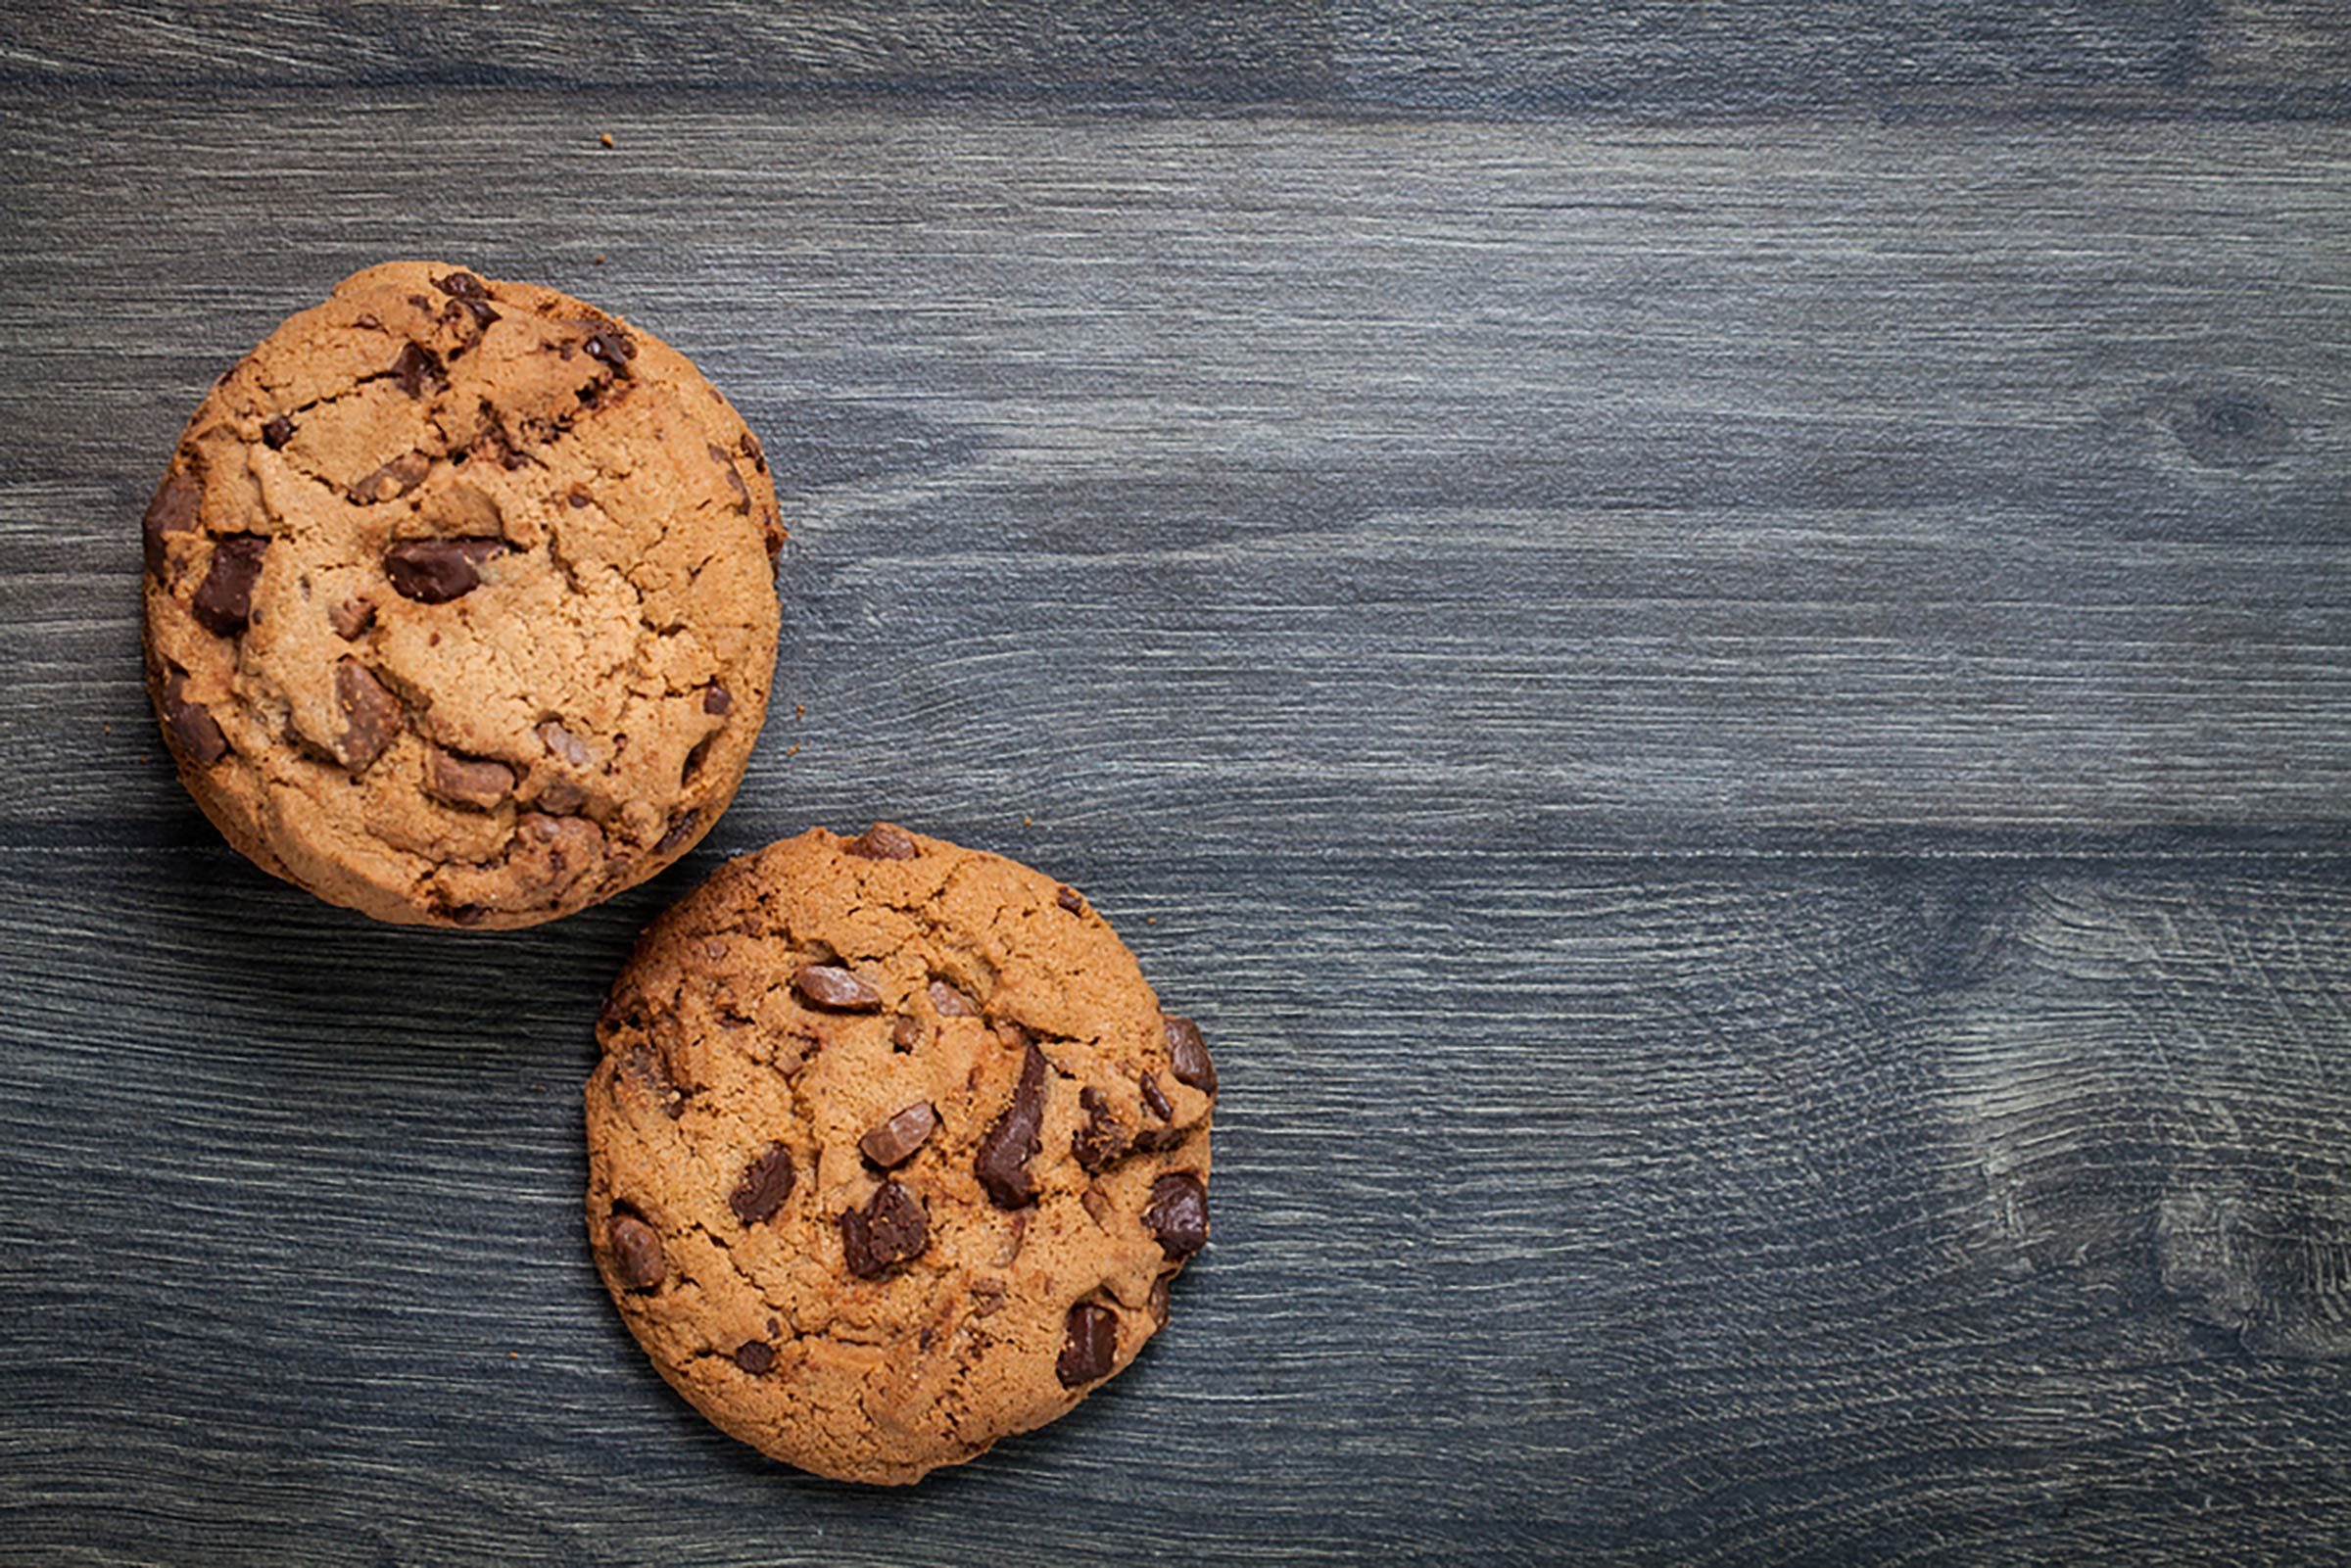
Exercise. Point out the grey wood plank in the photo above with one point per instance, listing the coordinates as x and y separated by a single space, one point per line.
1723 1210
1275 481
2239 59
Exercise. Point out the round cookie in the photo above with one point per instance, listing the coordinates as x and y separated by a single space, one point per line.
892 1152
460 600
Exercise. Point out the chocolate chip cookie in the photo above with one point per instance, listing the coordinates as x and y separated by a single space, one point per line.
460 600
892 1151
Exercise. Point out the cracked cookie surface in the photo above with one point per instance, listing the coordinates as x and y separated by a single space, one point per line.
460 600
892 1151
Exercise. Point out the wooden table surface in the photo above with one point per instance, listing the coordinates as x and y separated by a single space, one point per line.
1714 642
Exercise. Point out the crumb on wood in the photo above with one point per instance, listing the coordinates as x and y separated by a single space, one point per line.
799 710
1027 822
606 138
600 259
793 751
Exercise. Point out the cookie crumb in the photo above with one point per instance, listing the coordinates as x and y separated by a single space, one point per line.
606 138
600 259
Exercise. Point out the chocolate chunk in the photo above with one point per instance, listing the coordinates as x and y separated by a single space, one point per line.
1070 899
726 466
1159 1300
372 716
1103 1139
1178 1213
894 1142
561 743
766 1182
906 1033
561 798
467 290
352 618
1003 1164
172 511
636 1252
368 319
754 451
609 345
1089 1344
434 571
648 1068
475 781
474 915
755 1357
1187 1053
415 368
1157 1099
715 701
890 1229
277 433
884 840
681 827
950 1003
828 986
393 480
193 726
1096 1204
225 601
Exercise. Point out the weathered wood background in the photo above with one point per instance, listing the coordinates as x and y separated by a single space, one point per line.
1714 642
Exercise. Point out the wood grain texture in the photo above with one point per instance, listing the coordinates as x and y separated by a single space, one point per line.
1713 643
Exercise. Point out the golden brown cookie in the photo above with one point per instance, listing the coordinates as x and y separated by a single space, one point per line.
461 603
892 1152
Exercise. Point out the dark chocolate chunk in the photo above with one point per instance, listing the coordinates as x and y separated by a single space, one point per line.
884 840
906 1033
1071 900
889 1230
475 781
609 345
636 1252
277 433
1157 1099
1178 1213
1089 1344
415 368
434 571
393 480
766 1182
755 1357
193 726
894 1142
1187 1053
1159 1300
1003 1164
1096 1204
172 511
474 915
950 1003
716 701
372 715
828 986
1103 1139
467 290
225 601
352 618
681 827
